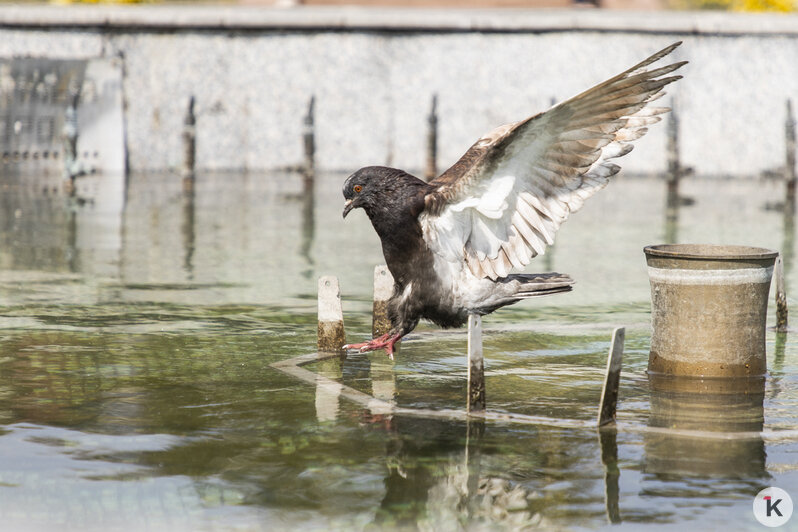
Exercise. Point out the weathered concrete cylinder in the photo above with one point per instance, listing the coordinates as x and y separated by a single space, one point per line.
708 309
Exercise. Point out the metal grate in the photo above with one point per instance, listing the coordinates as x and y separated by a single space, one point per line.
35 99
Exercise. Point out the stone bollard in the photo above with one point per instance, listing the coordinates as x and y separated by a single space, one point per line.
708 309
383 289
331 317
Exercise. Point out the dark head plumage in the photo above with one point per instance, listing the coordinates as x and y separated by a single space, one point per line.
360 188
374 187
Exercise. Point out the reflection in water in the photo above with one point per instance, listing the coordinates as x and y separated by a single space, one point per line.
788 245
409 483
778 354
188 229
612 473
383 378
142 380
328 393
673 203
462 493
671 219
706 405
308 227
374 368
72 251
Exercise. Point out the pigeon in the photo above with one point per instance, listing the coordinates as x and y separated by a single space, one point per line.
452 244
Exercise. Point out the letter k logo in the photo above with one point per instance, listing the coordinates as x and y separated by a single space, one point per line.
772 506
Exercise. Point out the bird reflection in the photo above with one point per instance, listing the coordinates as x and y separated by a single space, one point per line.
439 480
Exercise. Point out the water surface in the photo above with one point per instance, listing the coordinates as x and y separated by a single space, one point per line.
137 329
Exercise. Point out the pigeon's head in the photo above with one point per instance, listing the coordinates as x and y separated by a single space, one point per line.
362 188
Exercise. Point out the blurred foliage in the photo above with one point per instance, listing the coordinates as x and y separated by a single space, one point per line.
778 6
68 2
783 6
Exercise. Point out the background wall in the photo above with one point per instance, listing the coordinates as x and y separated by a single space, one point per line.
373 73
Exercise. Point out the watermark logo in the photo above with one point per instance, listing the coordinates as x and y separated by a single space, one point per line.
772 507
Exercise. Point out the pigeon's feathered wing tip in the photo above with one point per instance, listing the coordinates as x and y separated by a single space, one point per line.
512 190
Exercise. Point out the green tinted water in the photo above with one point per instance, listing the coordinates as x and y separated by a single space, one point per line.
137 333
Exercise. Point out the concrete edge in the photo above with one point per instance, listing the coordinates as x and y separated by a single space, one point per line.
246 18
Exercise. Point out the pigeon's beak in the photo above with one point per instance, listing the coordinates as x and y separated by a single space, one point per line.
348 206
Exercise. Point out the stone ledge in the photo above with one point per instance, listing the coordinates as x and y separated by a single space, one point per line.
509 20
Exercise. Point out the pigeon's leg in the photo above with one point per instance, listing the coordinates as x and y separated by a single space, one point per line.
376 343
386 341
391 342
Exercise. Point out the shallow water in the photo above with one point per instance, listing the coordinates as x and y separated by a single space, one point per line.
137 332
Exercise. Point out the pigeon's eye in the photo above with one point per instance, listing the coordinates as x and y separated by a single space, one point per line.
358 188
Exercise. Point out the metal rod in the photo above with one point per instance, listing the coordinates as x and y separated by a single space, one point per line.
476 366
789 167
331 335
674 166
781 297
612 379
432 140
309 138
189 145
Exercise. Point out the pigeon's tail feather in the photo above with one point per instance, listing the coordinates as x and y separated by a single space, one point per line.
541 284
515 287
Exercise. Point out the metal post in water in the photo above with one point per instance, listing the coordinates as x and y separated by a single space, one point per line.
309 139
674 166
432 140
189 145
476 366
789 168
781 297
383 288
612 379
331 335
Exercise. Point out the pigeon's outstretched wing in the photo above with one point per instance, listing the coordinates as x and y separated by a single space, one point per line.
502 202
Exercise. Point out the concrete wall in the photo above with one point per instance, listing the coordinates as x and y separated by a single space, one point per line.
373 72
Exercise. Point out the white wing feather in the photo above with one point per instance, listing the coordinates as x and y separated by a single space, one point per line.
507 205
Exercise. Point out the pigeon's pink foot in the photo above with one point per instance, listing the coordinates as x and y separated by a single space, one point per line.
386 341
